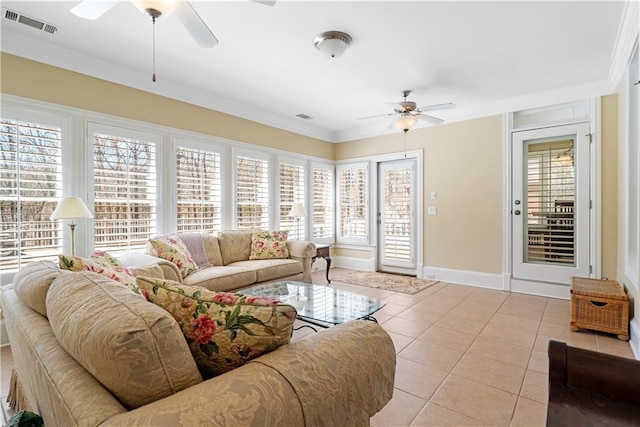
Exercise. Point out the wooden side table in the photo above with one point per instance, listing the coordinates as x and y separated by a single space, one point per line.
322 251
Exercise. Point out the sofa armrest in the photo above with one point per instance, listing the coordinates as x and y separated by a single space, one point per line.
142 264
304 252
315 381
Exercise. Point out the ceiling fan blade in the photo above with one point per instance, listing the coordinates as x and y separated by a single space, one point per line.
438 107
265 2
92 9
376 116
430 119
195 25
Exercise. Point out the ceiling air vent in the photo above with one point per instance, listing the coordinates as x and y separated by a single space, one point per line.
26 20
304 116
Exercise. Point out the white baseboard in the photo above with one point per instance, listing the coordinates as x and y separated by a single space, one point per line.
634 341
462 277
364 264
542 289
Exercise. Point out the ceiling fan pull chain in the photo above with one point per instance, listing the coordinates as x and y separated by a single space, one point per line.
153 77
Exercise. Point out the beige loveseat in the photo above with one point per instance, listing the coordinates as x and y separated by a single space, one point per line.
228 266
89 352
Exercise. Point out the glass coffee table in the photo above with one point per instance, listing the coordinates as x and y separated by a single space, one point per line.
317 304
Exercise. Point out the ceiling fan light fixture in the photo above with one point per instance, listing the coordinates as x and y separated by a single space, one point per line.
332 43
158 8
405 122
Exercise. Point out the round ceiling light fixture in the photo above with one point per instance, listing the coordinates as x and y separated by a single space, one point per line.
332 43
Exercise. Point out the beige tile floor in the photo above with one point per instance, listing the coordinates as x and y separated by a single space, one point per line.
466 356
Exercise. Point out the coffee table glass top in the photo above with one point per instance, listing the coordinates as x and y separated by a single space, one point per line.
317 303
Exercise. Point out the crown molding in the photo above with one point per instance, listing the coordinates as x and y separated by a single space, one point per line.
625 40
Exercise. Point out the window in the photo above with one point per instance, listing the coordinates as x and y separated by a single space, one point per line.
292 191
352 202
124 174
252 192
322 187
30 186
199 190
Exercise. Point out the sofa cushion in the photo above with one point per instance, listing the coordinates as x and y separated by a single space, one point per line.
223 330
32 283
174 250
194 242
269 245
271 269
235 245
223 278
102 263
135 349
212 246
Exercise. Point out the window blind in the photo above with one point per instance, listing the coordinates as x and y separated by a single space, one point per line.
252 193
550 203
323 203
397 214
291 191
352 193
199 190
30 186
125 192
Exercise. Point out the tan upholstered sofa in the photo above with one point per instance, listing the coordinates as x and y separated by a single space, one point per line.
89 352
228 266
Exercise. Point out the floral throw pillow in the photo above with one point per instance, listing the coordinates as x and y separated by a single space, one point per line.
102 263
223 330
174 250
269 245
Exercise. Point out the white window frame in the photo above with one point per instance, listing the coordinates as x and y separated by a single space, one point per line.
364 240
242 152
124 132
196 144
299 199
63 122
331 169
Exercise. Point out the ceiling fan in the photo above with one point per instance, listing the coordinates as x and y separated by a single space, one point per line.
408 113
94 9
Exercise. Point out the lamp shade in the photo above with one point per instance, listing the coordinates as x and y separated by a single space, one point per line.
297 210
165 7
406 122
71 207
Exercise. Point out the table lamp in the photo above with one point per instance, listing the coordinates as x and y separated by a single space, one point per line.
298 211
71 208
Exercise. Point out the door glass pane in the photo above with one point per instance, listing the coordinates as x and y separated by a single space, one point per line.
550 196
397 214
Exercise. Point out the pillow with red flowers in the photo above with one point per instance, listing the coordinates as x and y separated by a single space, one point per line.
223 330
173 249
269 245
102 263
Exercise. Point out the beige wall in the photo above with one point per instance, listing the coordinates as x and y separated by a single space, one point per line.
29 79
463 164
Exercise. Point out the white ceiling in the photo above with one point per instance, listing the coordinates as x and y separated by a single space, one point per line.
486 57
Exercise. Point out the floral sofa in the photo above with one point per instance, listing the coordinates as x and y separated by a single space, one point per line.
231 260
89 351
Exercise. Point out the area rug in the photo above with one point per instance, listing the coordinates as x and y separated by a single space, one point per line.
389 282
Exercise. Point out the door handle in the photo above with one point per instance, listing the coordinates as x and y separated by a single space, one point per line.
517 212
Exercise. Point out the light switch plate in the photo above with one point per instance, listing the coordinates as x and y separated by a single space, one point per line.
432 210
434 195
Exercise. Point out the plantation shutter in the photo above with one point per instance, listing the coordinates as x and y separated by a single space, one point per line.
550 203
199 190
252 193
291 191
30 186
352 199
323 203
125 192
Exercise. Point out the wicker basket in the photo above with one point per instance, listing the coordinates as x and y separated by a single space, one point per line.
600 305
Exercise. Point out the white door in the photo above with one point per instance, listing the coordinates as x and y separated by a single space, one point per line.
550 203
396 216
